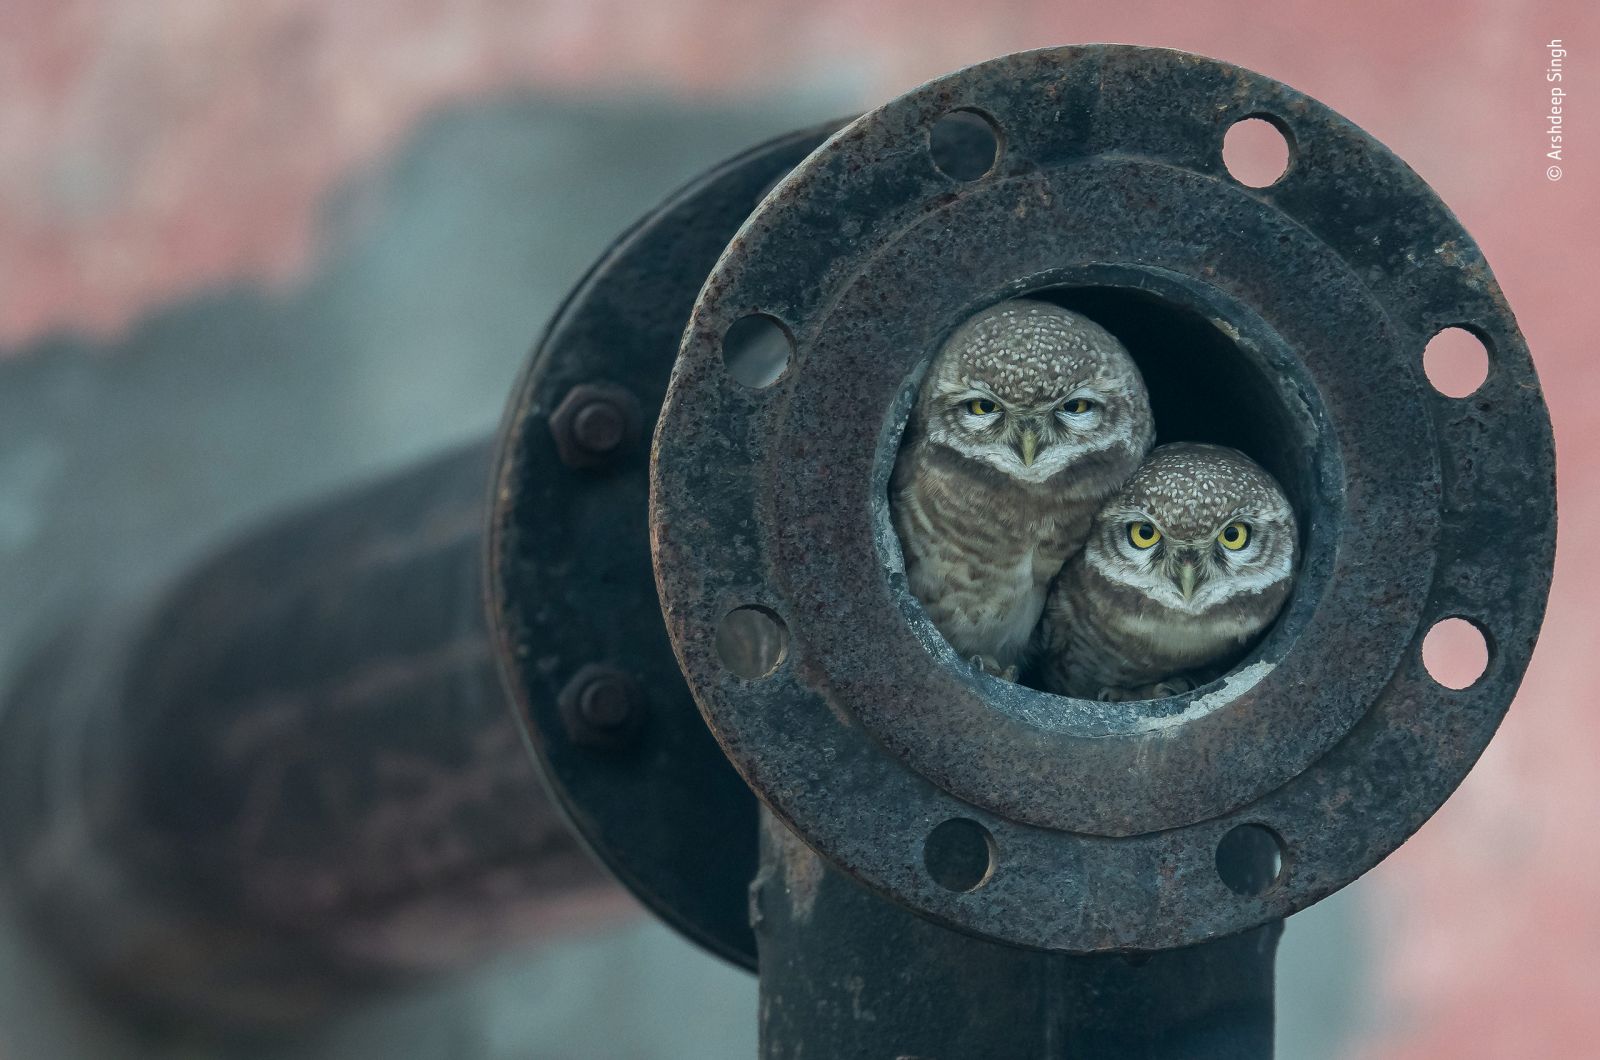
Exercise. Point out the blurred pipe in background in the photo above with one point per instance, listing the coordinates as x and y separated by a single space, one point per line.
253 815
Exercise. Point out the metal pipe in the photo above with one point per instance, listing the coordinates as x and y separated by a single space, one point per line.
847 973
294 777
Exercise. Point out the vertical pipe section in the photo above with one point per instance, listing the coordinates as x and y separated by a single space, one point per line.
846 973
295 776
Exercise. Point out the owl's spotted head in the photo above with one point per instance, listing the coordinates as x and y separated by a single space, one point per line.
1197 528
1031 389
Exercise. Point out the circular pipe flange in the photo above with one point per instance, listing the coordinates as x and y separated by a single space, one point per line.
1104 826
581 646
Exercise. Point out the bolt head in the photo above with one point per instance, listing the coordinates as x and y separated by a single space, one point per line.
599 426
602 707
594 424
607 702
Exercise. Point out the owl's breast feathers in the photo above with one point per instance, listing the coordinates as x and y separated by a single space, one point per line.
981 548
1100 635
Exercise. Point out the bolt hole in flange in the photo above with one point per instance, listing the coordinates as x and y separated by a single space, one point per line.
1456 362
959 854
1455 653
752 642
756 350
1250 859
965 144
1257 151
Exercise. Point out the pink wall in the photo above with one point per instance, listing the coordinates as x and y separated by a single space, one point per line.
150 147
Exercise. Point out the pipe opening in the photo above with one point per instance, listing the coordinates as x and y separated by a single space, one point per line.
1215 374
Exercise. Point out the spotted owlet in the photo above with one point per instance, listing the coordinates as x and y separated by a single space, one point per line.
1030 416
1184 566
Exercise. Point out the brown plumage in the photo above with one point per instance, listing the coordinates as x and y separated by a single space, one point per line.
1183 569
1029 416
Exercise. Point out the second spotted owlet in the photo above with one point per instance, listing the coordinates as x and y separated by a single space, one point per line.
1185 565
1030 416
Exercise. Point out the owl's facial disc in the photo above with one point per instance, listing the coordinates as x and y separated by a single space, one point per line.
1194 572
1195 528
1024 437
1030 390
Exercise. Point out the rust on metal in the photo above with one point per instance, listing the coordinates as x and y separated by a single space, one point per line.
570 585
1288 321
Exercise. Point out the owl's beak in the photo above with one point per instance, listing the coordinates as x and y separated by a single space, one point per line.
1188 578
1028 446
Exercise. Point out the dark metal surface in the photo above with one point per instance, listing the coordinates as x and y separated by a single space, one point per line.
845 973
571 586
594 423
603 706
1315 297
294 778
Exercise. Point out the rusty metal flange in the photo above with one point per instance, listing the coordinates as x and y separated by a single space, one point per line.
1306 305
569 571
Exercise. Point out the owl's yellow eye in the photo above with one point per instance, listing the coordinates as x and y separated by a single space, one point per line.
1234 536
982 407
1077 406
1143 535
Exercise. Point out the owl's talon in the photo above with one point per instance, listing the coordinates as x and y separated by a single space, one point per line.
1172 686
989 665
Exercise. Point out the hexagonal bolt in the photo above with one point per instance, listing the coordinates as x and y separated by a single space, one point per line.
602 707
594 423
